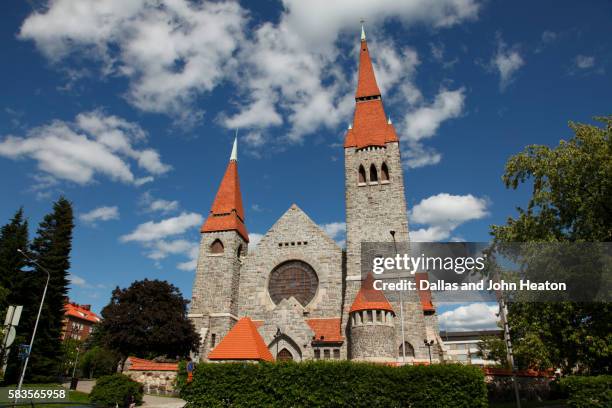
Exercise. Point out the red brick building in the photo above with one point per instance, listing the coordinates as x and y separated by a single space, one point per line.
79 321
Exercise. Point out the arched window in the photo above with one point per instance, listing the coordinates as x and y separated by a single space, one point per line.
409 350
373 173
384 172
362 174
216 247
284 355
239 251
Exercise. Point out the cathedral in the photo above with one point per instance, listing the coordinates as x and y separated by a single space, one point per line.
298 295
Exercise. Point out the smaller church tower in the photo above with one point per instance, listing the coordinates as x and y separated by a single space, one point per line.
372 325
223 243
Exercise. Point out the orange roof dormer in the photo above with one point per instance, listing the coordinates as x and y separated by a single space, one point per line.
370 124
369 298
242 342
227 212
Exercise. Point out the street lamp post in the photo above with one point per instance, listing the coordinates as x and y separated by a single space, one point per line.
42 301
429 344
277 337
401 302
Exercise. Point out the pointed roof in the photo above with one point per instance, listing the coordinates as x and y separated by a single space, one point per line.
424 295
366 85
227 212
370 125
243 342
369 298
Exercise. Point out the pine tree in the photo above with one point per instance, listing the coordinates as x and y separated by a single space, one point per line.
51 250
15 281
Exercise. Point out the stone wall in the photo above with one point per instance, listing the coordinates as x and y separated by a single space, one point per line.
373 342
215 291
155 382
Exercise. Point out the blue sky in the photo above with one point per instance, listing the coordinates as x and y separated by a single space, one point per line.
130 110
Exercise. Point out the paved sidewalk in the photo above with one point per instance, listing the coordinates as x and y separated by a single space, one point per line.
149 401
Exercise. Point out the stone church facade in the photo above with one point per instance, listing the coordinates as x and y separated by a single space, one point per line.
299 295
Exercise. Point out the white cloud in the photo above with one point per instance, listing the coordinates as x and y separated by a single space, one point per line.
474 316
95 143
584 61
443 213
423 122
507 61
336 231
77 281
100 214
168 237
152 204
152 231
171 51
287 71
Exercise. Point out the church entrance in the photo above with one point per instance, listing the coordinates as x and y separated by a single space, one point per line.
284 355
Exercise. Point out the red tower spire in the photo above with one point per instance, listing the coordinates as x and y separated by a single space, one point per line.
227 213
370 125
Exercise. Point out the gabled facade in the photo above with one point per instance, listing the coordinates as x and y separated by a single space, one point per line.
302 295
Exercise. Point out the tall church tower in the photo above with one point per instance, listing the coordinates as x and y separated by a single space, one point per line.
223 243
375 201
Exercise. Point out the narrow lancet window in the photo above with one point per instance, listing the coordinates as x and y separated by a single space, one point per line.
362 175
373 174
384 172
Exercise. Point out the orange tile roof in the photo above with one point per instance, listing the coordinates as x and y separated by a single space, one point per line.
424 295
370 127
74 310
366 85
140 364
369 298
326 329
243 342
227 212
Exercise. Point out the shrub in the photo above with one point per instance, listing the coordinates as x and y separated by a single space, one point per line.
116 389
591 392
335 384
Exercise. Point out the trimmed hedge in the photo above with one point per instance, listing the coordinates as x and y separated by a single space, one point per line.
114 389
335 384
588 392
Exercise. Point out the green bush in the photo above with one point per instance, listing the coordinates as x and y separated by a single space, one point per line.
116 389
588 392
335 384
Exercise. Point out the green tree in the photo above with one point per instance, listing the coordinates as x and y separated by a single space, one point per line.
71 348
51 249
148 319
570 202
16 282
98 361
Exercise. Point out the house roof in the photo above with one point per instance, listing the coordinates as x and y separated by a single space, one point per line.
140 364
80 312
327 330
424 295
227 212
370 125
369 298
242 342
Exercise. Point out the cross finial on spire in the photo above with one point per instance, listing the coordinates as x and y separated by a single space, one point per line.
363 36
234 155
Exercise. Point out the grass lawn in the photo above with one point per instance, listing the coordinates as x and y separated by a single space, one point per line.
73 396
531 404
